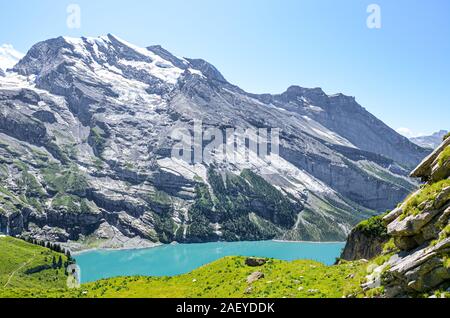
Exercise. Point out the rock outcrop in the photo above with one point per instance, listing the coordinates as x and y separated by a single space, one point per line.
420 234
255 277
255 262
366 240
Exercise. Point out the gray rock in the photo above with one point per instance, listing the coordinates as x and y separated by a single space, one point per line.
45 116
255 262
424 169
440 171
361 245
430 231
443 218
431 274
254 277
412 224
394 214
47 233
442 198
406 243
421 270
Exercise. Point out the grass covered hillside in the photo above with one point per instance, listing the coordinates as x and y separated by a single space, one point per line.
227 278
28 270
27 266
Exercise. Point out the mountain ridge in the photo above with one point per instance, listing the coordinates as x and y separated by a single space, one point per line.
432 141
99 110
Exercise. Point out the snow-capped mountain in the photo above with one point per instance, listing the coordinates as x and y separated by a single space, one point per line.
431 141
85 152
8 57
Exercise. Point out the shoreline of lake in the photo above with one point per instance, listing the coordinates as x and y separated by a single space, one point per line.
177 259
79 252
112 249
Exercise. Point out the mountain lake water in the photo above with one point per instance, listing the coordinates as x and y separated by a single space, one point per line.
176 259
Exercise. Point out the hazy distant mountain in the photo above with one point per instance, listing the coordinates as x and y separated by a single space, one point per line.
430 141
85 155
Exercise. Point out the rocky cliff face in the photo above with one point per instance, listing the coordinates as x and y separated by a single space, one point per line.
85 152
416 258
366 240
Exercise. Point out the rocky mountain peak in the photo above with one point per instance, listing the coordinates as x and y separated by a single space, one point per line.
209 70
295 93
100 112
162 52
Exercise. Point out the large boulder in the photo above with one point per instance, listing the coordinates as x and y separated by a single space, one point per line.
424 169
420 271
440 171
412 224
254 277
255 262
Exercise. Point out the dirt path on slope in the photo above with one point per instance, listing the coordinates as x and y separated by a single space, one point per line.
18 269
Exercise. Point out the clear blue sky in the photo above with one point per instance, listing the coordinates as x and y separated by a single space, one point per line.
400 73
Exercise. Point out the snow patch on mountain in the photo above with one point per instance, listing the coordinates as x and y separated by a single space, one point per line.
93 51
13 80
159 67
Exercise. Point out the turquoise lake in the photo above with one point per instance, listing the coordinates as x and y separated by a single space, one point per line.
171 260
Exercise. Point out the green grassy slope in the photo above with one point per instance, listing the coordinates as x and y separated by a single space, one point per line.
227 278
224 278
24 265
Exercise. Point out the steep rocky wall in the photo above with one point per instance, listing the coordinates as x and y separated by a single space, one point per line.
420 234
366 240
